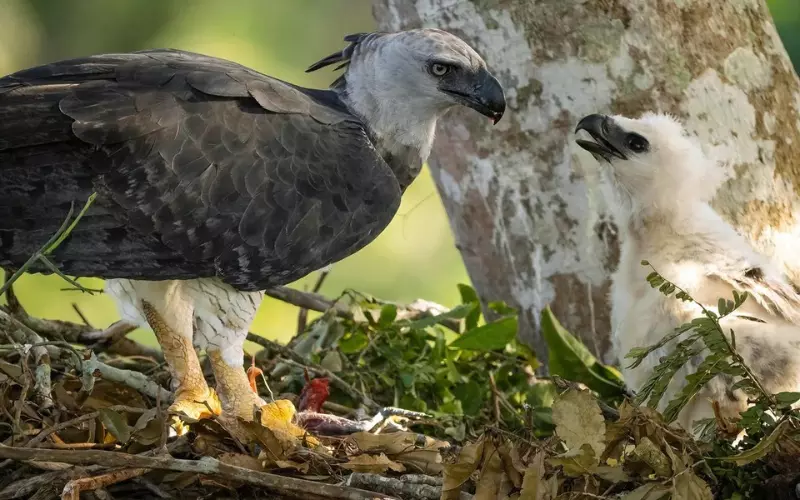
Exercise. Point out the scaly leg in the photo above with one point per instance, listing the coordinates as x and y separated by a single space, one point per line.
233 386
168 309
222 317
193 398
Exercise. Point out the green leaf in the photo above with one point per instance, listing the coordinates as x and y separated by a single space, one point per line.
501 308
762 448
457 312
787 398
570 359
115 424
489 337
470 296
354 342
472 396
388 315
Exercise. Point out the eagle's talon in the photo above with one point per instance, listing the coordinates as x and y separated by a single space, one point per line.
192 408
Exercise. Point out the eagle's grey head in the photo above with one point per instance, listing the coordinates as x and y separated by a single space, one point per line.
400 83
653 161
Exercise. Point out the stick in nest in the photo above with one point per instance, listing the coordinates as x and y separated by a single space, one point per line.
282 485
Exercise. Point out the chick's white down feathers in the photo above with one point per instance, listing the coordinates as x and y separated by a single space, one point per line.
662 196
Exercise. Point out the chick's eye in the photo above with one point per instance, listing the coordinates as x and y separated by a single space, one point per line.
438 69
636 143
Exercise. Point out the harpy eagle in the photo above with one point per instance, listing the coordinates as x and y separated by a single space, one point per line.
215 182
662 184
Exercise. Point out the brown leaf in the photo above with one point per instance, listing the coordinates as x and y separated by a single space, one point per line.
579 421
612 474
116 425
290 464
241 460
409 448
534 486
649 491
576 462
147 429
456 474
375 464
490 479
514 475
687 486
647 451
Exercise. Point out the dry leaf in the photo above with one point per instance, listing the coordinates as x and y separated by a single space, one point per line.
613 474
687 486
375 464
491 476
650 491
647 451
534 487
415 450
576 462
290 464
276 431
241 460
457 473
579 421
116 425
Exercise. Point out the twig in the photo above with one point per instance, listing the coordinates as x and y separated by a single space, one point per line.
26 487
133 379
307 300
87 367
80 314
208 466
302 314
495 399
73 489
86 335
77 420
406 489
51 245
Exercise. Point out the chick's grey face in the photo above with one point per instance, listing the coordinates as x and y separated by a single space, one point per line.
444 71
625 147
611 142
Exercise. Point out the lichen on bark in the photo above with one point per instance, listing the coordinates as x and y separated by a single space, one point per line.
525 204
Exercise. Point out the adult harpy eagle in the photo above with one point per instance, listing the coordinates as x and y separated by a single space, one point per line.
663 184
215 182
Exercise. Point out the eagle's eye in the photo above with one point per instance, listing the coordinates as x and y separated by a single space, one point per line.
439 69
636 143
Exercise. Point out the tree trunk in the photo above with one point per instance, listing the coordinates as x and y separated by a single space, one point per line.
528 218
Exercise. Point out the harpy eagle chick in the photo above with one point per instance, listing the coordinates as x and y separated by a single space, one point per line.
663 183
215 182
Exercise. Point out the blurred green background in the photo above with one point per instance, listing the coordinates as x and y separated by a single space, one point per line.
415 257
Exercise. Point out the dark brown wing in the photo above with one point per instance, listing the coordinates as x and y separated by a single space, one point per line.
202 167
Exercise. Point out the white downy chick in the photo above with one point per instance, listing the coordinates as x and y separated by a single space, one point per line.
662 185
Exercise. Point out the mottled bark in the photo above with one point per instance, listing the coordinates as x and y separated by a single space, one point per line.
526 212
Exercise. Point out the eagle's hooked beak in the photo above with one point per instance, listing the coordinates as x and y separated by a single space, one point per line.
483 93
608 137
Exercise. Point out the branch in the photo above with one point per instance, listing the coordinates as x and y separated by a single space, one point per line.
307 300
289 486
74 488
410 487
87 367
133 379
110 340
